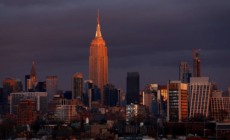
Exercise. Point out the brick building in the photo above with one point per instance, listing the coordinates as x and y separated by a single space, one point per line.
26 112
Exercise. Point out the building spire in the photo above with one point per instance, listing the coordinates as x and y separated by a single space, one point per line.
98 32
98 17
33 71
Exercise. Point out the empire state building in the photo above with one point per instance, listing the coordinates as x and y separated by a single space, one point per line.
98 61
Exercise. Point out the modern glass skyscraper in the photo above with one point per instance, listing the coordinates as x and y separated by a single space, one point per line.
77 86
98 61
199 96
133 88
51 87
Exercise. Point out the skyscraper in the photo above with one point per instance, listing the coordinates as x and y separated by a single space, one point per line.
183 68
98 61
51 87
8 87
26 81
132 87
110 95
196 66
33 76
77 86
177 106
199 96
18 85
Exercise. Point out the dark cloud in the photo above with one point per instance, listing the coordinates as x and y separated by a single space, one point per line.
151 37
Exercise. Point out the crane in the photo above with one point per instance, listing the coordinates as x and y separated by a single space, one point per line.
193 51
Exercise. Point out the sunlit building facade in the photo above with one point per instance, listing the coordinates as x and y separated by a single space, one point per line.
98 61
163 91
26 112
220 105
66 111
177 101
134 110
199 94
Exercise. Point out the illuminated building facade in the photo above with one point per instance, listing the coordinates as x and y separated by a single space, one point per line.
66 111
133 110
33 77
199 94
26 112
77 86
98 61
196 66
177 106
51 87
220 105
163 91
133 88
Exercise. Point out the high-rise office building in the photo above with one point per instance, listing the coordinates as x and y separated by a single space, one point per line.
110 95
77 86
8 87
26 112
51 87
186 77
183 68
40 99
98 61
120 96
133 88
177 106
26 81
18 87
199 96
196 66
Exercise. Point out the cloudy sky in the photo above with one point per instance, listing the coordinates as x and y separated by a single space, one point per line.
148 36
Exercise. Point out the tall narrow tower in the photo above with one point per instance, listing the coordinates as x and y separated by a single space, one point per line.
98 61
196 66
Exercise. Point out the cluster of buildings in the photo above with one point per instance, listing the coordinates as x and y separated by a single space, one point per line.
96 99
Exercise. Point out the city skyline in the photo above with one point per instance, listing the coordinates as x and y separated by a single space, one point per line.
150 41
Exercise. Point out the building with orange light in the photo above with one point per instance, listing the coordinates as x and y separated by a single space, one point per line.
177 104
163 91
98 61
26 112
